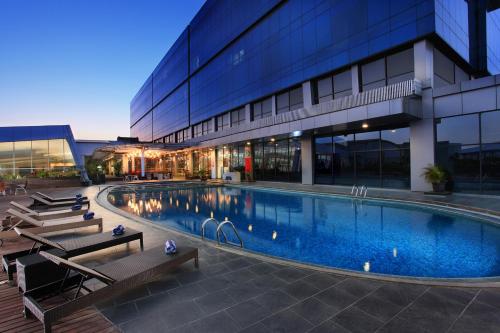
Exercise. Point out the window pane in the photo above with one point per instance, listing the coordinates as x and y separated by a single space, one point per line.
325 87
323 145
22 151
396 138
257 111
490 122
68 156
462 162
296 99
40 154
342 82
282 102
368 141
396 168
458 130
368 168
267 107
6 157
491 168
373 71
400 63
56 154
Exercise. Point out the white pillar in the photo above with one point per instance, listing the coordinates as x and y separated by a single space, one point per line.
307 94
248 113
421 152
423 55
306 148
143 164
355 79
125 164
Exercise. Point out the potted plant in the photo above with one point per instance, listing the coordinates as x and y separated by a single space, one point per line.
437 176
202 174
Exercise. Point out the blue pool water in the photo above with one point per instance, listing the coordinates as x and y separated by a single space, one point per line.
337 232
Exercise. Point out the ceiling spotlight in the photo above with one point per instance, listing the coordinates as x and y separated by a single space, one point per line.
365 125
272 140
248 143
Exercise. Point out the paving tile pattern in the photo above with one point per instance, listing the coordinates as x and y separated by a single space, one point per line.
233 293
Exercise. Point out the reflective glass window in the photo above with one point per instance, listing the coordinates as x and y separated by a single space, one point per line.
6 156
262 109
490 127
56 153
22 152
458 130
40 154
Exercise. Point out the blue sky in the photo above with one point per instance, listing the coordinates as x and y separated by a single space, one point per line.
80 62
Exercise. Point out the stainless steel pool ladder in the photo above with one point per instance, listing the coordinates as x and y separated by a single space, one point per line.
359 191
220 231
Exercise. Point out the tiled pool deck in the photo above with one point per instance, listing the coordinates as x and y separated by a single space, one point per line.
232 293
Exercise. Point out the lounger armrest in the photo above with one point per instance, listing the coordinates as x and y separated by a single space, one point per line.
78 268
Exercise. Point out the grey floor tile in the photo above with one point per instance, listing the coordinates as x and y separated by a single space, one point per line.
215 283
144 324
358 287
163 285
121 313
180 314
313 310
287 321
478 317
185 293
214 269
238 263
247 313
337 298
378 307
329 327
263 268
357 321
275 300
243 291
240 276
268 282
291 274
459 295
323 280
132 295
219 322
400 293
257 328
300 289
190 276
490 297
214 302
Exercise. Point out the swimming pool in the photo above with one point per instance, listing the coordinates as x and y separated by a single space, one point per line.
332 231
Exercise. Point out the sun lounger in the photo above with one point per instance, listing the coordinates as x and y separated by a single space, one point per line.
34 270
117 277
47 215
38 227
54 199
40 201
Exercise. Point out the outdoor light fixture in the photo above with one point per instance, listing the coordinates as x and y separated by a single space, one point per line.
393 131
249 143
297 133
366 266
272 140
365 125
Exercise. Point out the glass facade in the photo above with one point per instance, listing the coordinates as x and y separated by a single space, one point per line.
28 157
278 160
468 147
376 159
452 24
493 42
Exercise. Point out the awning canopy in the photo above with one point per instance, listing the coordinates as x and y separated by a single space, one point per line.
131 148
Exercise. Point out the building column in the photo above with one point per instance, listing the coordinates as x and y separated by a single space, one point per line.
422 152
306 154
125 164
307 94
355 79
143 164
422 132
423 55
248 113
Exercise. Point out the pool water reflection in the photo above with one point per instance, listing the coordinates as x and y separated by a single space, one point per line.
338 232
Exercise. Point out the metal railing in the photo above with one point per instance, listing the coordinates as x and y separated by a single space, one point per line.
220 231
359 192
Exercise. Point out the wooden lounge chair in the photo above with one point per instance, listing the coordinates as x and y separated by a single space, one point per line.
53 199
34 270
48 215
38 227
117 276
40 201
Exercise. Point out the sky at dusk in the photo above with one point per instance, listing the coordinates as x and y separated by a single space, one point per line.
80 62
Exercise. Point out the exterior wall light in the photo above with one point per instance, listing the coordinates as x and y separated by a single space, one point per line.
365 125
